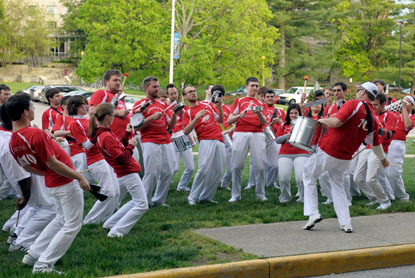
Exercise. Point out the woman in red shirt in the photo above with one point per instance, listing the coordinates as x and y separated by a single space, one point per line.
290 157
118 153
100 172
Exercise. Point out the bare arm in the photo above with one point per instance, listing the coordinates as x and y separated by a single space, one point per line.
331 122
172 121
192 124
62 169
61 133
262 119
221 117
32 170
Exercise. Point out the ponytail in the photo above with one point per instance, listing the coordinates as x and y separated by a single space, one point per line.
102 110
92 126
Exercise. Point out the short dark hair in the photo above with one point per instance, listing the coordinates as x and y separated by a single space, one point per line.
6 122
148 79
64 100
4 87
318 93
291 107
109 73
73 104
341 84
269 91
381 97
381 82
262 90
51 92
16 105
251 79
170 85
218 88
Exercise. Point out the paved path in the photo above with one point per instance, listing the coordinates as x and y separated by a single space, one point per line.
288 238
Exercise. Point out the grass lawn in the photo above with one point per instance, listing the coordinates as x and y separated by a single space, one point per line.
16 86
163 238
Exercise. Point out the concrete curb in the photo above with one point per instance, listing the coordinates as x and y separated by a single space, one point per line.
296 266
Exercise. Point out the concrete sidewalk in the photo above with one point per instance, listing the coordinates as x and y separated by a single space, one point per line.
288 238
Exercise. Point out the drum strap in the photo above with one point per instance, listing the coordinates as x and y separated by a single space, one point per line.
369 118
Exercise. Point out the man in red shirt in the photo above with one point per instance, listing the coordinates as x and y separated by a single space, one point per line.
186 155
35 151
275 117
248 135
113 88
49 116
397 148
347 129
204 118
156 139
4 93
369 167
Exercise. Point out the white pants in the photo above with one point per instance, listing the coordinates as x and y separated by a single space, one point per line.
354 189
211 162
79 163
102 172
227 177
324 181
396 155
159 166
121 222
318 163
189 166
366 176
40 217
272 151
5 185
242 142
11 222
285 167
57 237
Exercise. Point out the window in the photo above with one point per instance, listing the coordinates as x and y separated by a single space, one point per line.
51 10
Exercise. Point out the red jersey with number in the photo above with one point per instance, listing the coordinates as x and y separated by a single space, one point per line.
49 117
250 122
61 123
287 148
387 121
179 119
79 130
269 112
207 127
333 108
400 131
33 147
111 148
156 131
343 142
119 124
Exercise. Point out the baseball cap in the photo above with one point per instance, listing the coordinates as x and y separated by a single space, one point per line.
370 87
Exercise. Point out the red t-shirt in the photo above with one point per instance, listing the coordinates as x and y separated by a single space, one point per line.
119 124
111 147
400 131
49 117
387 121
287 148
343 142
61 123
33 147
269 112
226 112
317 133
179 119
207 128
156 131
250 122
79 130
332 109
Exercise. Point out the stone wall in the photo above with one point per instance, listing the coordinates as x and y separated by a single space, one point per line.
53 74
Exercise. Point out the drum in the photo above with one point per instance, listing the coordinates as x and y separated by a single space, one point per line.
269 135
137 120
303 133
181 141
257 108
228 140
192 138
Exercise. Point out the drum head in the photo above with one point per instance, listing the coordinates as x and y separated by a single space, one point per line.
137 120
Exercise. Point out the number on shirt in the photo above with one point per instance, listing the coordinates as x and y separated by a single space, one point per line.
27 159
363 124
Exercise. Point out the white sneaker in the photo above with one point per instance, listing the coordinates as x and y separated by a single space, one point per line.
262 199
249 186
12 237
185 189
234 200
29 259
118 235
312 220
347 228
371 203
17 247
226 188
46 269
192 202
384 206
327 202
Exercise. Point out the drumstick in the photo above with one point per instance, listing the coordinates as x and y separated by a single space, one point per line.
67 146
394 164
86 170
125 77
359 152
18 216
168 107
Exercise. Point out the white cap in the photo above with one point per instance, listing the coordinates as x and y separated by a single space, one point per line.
371 88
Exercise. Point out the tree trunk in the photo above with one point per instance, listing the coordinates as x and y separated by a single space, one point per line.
281 64
411 92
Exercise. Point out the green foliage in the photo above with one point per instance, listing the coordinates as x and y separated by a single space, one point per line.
24 32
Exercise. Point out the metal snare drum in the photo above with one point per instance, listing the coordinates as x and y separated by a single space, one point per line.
303 133
137 120
228 140
181 141
269 135
257 108
192 138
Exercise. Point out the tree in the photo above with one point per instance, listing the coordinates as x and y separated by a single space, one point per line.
24 32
